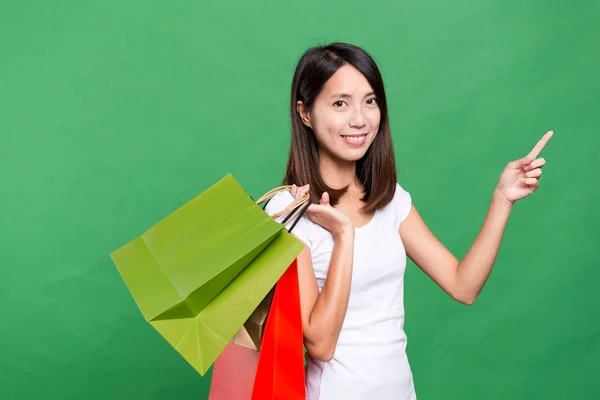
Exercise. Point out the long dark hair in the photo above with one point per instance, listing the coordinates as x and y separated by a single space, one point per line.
377 169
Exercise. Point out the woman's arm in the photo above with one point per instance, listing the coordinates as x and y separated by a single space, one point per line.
464 280
323 313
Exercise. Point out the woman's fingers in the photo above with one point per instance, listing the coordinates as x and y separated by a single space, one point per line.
520 163
541 144
529 181
299 191
539 163
536 173
303 190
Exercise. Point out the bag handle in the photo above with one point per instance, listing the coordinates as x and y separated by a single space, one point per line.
297 208
297 202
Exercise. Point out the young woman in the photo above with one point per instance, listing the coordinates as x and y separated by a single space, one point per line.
362 226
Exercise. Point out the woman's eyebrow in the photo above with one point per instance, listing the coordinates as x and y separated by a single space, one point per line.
341 95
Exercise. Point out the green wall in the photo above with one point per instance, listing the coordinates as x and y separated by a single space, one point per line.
115 113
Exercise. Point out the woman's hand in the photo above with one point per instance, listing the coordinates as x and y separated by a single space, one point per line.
324 214
520 178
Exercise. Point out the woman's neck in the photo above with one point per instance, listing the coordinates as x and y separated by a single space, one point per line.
337 173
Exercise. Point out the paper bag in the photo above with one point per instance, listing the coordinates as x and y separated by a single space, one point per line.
198 274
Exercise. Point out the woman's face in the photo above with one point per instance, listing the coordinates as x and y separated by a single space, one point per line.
345 115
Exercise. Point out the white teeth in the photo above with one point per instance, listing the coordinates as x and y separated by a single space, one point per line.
355 139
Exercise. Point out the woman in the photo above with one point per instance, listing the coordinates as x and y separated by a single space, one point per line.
363 225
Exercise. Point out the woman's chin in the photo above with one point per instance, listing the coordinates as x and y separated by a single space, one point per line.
351 156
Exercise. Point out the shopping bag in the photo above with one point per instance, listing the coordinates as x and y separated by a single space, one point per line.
251 333
280 371
233 373
281 374
198 274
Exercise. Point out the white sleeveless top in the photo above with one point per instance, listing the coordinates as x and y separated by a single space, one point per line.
370 361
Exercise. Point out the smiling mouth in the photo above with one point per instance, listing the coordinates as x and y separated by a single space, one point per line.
354 139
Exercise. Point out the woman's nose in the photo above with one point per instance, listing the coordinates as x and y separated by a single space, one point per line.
357 120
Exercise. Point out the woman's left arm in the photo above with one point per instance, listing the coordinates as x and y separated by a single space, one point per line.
464 280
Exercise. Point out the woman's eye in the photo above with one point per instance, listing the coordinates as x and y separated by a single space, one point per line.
339 103
371 101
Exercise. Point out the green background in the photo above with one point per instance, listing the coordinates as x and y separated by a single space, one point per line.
115 113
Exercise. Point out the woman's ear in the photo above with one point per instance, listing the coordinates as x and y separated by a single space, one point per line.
304 114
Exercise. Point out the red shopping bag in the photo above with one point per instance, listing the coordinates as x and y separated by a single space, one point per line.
233 373
280 372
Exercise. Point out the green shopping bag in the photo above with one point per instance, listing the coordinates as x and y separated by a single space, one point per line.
198 274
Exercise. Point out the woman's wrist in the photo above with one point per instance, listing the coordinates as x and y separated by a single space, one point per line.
499 200
345 232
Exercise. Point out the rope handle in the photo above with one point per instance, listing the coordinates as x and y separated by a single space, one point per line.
295 206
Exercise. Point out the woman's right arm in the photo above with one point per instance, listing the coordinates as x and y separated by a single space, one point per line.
323 313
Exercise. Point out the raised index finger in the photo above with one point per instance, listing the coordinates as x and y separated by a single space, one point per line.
541 144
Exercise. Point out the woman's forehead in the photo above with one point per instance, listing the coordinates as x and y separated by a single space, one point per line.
347 82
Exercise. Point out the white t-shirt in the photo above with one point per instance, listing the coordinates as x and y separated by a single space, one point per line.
370 359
